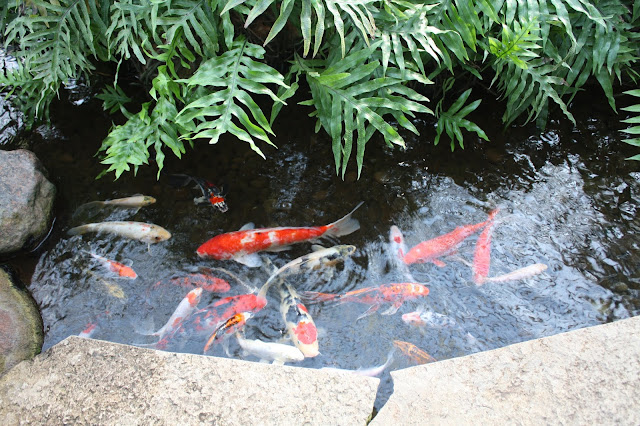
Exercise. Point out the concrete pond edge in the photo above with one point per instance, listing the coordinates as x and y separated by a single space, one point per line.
589 375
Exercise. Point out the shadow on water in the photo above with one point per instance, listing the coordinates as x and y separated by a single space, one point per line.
567 198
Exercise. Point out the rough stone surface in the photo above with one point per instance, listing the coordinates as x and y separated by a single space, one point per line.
26 200
20 324
586 376
85 381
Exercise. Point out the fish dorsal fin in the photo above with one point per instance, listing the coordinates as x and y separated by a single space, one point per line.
317 247
247 226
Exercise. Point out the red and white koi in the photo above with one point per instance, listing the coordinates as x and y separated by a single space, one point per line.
433 249
145 232
184 309
395 294
242 245
206 282
396 250
233 324
482 256
369 372
414 353
210 193
299 323
120 269
421 318
518 274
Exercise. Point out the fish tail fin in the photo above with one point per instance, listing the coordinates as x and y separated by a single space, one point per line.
79 230
317 297
179 180
344 226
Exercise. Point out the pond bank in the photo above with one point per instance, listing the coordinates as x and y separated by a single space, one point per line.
584 376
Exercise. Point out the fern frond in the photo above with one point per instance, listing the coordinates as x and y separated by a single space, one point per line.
453 120
195 21
350 98
633 131
129 31
231 77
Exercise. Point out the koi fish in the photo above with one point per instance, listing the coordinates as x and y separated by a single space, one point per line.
414 353
242 245
92 326
396 251
300 326
205 282
431 250
482 256
276 352
427 318
144 232
184 309
233 324
135 201
394 293
122 270
210 193
313 261
370 372
519 274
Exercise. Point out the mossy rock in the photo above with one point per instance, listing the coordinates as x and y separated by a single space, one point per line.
21 333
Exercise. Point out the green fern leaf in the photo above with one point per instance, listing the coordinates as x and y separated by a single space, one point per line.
453 120
231 77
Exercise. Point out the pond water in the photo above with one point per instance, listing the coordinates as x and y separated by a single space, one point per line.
567 199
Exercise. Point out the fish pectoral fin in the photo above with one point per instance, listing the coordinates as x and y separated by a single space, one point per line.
439 263
369 311
392 309
251 260
247 226
200 200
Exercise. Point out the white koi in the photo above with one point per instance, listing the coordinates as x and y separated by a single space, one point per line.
519 274
370 372
276 352
145 232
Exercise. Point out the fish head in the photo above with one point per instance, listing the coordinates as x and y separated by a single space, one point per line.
147 199
413 318
159 234
346 250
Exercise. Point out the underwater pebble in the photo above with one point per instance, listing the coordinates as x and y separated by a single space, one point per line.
382 177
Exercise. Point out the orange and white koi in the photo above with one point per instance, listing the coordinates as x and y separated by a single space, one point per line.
482 256
233 324
145 232
370 372
206 282
122 270
242 245
184 309
433 249
518 274
414 353
421 318
210 193
300 325
394 293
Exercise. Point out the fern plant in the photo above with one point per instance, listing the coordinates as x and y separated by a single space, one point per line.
633 131
363 67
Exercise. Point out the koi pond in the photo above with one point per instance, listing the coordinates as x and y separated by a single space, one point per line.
567 198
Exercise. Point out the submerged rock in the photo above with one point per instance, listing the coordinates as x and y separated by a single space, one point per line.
26 200
21 333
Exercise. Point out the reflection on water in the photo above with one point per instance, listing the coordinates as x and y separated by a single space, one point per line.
567 204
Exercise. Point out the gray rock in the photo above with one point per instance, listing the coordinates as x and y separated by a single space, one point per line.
85 381
26 200
589 376
20 324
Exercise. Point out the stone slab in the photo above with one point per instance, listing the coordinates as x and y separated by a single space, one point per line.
94 382
586 376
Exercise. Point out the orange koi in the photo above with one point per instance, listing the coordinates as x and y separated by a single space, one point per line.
123 271
394 293
431 250
204 281
242 245
482 256
233 324
414 353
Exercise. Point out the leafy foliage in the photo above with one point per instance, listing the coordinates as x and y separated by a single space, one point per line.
633 131
368 65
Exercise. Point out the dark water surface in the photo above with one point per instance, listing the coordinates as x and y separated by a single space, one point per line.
567 198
